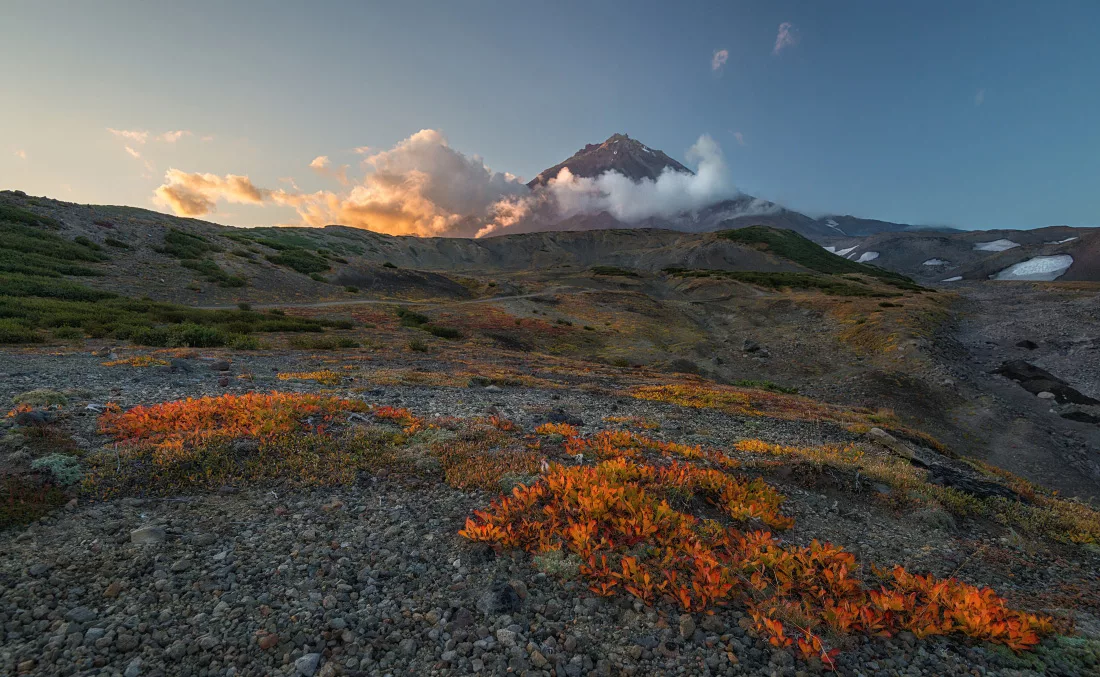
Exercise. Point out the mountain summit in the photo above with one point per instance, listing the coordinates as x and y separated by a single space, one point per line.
619 153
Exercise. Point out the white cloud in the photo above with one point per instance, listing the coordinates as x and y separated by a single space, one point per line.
786 37
363 150
979 97
208 138
740 138
21 154
133 135
133 153
323 166
623 198
719 59
172 137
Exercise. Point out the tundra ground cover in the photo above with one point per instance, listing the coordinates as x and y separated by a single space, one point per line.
618 517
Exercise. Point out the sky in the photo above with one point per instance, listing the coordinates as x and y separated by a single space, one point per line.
425 117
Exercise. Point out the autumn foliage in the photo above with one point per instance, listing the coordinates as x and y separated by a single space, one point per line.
619 518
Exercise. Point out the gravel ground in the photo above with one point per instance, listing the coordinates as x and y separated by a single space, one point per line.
373 579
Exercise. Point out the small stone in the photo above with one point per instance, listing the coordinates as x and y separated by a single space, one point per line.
223 381
492 389
407 647
266 640
506 637
1045 395
334 504
148 535
181 565
687 626
81 614
133 669
538 660
26 666
126 643
220 365
307 664
203 540
112 590
38 569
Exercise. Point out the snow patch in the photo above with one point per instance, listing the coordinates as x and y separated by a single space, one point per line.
834 225
1042 268
867 256
845 252
952 279
996 246
936 262
1068 239
831 249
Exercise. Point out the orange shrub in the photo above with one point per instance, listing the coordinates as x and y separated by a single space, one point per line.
617 518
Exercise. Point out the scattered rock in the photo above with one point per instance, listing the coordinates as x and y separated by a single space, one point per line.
148 535
1029 345
220 365
1045 395
687 626
307 664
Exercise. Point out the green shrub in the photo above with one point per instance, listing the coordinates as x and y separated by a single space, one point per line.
411 318
14 332
613 271
117 244
65 469
41 397
351 290
300 260
387 264
418 346
84 241
183 245
442 332
243 305
68 333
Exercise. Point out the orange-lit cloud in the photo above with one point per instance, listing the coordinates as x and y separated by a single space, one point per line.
197 194
323 166
133 153
21 154
172 137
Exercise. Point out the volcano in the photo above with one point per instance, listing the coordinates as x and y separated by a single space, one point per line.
620 153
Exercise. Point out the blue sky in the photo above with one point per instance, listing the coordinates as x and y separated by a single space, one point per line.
972 114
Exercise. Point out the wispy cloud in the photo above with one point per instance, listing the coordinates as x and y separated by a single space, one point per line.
21 154
133 153
289 180
363 150
786 37
137 136
740 138
719 59
208 138
323 166
979 97
172 137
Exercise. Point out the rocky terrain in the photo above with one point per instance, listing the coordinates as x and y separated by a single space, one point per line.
327 529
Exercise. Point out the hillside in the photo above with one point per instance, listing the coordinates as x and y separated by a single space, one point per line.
334 452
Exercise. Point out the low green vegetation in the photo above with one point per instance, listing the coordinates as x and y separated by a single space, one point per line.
779 280
28 246
192 251
415 320
794 247
613 271
765 385
300 260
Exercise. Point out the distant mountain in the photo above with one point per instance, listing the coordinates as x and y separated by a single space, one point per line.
637 161
619 153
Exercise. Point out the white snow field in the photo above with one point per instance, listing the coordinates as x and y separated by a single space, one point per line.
867 256
996 246
936 262
953 279
1040 268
